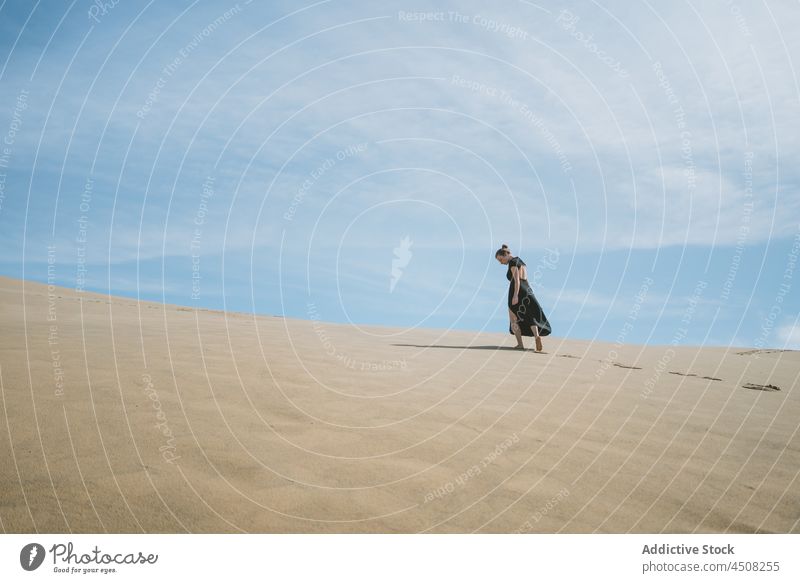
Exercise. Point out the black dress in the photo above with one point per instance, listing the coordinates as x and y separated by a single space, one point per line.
527 310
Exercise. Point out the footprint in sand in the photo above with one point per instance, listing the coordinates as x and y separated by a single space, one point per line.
756 387
762 351
626 366
691 374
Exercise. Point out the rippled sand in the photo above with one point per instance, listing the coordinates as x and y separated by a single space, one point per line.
121 416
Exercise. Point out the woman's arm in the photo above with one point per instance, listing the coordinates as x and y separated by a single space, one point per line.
515 275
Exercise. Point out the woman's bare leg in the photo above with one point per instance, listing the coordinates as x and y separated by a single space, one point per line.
515 328
537 338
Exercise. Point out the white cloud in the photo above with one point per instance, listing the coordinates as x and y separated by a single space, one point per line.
619 135
789 336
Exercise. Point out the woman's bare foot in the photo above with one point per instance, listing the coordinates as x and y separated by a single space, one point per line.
538 344
520 346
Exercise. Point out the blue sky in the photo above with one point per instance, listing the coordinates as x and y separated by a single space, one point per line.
271 157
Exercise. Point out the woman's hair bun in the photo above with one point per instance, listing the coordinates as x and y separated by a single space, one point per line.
502 251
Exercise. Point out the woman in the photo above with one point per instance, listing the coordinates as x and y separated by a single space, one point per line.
526 315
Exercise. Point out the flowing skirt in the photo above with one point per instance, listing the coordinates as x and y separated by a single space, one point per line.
528 311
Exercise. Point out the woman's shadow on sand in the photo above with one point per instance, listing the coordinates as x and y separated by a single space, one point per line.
460 347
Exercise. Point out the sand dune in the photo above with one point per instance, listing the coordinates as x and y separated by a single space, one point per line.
121 416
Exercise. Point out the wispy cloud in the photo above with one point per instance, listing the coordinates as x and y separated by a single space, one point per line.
790 336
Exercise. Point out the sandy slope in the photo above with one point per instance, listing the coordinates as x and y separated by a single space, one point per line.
171 420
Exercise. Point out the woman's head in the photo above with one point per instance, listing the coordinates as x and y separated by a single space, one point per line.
503 254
